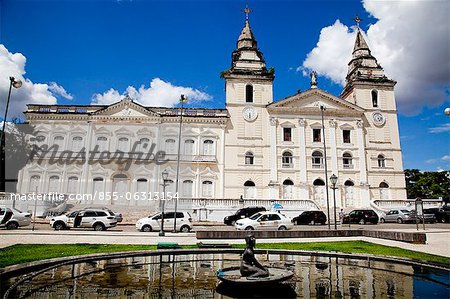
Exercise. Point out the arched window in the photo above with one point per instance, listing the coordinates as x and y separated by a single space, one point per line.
381 161
249 158
249 189
287 160
59 141
189 147
188 188
40 139
384 190
287 189
249 93
319 192
347 160
72 185
207 189
317 159
53 183
349 193
102 143
374 94
208 147
34 183
144 145
170 146
123 144
77 143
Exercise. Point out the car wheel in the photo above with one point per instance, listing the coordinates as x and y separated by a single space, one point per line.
185 229
282 227
146 228
362 221
99 227
12 225
249 228
59 225
442 220
400 220
382 220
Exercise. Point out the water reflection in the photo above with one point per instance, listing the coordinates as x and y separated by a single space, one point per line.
169 276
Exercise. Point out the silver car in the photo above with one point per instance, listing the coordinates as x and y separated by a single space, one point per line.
12 218
399 216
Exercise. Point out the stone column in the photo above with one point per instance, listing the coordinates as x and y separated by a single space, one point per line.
303 168
273 184
85 173
364 186
334 161
222 165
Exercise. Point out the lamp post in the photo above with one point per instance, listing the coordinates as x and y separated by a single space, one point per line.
322 109
183 100
333 180
16 84
164 175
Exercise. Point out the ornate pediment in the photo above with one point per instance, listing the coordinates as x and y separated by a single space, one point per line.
126 108
310 101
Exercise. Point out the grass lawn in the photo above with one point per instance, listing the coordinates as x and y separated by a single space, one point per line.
23 253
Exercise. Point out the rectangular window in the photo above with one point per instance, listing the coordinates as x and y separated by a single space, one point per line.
317 135
346 136
287 134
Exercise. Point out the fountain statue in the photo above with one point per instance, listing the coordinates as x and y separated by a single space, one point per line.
250 267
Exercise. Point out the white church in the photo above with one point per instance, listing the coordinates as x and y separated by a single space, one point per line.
256 151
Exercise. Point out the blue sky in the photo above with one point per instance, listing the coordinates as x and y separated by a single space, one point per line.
77 51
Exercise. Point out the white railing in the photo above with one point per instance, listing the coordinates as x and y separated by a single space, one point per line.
387 204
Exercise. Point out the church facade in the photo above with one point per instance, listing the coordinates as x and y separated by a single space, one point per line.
256 148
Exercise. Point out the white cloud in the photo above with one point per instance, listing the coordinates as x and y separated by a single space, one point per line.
159 93
441 129
59 90
409 39
13 64
446 158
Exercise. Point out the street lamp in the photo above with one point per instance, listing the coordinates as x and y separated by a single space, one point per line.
16 84
164 175
183 100
333 180
322 109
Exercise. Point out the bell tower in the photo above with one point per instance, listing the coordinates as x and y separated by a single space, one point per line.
248 88
368 87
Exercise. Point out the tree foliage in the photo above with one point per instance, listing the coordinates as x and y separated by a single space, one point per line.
428 184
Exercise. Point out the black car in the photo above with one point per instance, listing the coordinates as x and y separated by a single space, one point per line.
440 214
310 217
242 213
361 217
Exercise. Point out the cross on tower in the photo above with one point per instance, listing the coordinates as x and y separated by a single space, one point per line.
247 11
357 20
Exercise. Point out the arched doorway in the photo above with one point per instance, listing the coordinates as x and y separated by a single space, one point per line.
384 190
120 186
319 192
249 190
288 187
349 188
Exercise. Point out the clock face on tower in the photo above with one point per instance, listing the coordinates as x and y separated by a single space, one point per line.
249 113
378 118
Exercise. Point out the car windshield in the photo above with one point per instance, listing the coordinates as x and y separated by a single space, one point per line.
72 214
17 210
239 212
152 215
256 216
405 211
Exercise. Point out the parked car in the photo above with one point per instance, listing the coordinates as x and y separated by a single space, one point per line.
428 216
361 217
265 221
13 218
440 214
310 217
242 213
118 216
98 219
399 216
153 222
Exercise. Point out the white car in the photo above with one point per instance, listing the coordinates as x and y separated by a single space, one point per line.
153 223
98 219
12 218
265 221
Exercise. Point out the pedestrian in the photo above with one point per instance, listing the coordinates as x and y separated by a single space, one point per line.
341 215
